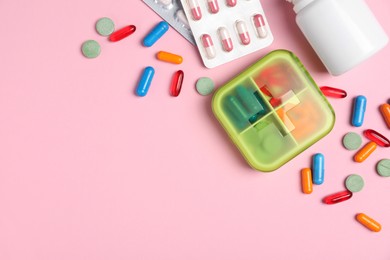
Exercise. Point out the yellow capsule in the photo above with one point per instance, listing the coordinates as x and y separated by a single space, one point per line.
364 152
368 222
169 57
307 182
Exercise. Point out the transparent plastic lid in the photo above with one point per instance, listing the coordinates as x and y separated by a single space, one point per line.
273 111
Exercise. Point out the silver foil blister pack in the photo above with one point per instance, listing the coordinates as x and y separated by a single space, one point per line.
172 12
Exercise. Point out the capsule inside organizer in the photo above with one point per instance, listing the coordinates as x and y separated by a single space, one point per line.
226 41
259 23
243 32
195 9
208 46
250 102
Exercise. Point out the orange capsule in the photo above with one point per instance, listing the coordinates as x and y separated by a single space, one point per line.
385 110
368 222
364 152
169 57
306 180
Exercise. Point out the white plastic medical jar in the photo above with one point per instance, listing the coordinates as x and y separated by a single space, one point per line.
343 33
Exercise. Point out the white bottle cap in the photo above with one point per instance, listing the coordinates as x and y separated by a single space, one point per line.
299 4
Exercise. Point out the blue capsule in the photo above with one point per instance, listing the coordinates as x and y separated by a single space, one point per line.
249 100
359 108
144 83
318 168
159 30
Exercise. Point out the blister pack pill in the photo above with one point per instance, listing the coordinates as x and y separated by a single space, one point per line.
225 30
172 12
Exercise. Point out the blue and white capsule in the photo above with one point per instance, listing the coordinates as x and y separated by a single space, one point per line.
359 109
158 31
144 83
318 168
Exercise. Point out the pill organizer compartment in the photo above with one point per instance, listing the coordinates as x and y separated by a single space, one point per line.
273 111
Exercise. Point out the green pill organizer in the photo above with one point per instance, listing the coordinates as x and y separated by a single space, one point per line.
273 111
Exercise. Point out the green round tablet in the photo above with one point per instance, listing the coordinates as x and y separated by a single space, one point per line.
383 167
90 49
205 86
352 141
354 183
105 26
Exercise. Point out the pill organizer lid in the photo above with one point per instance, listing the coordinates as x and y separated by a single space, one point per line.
273 111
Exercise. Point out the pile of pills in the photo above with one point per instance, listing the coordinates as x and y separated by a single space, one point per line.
351 141
105 27
177 79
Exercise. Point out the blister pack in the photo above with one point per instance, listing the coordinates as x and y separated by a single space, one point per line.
225 30
172 12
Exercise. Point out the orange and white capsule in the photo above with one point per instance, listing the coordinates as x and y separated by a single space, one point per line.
385 110
243 32
169 57
259 23
231 3
364 152
208 46
368 222
307 181
195 9
226 41
213 6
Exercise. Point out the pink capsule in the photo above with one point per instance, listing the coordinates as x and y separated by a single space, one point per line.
213 6
243 32
208 46
226 41
231 3
195 9
258 20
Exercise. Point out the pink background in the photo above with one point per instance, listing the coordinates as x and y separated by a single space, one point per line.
90 171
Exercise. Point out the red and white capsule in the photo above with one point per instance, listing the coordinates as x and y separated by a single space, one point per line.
195 9
231 3
243 32
259 23
226 41
208 46
213 6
